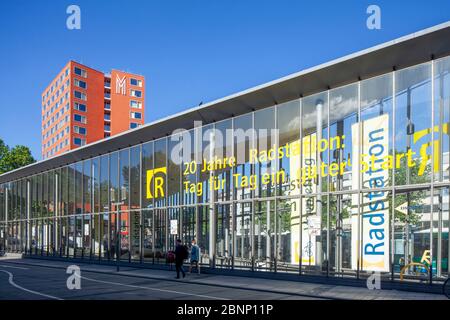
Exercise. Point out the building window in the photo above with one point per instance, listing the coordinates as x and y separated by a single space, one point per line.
79 141
79 130
136 93
79 118
136 104
80 95
80 72
136 82
79 107
134 125
136 115
79 83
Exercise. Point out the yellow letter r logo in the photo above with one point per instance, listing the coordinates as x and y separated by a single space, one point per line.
158 182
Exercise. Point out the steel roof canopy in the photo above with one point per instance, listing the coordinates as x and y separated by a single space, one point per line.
409 50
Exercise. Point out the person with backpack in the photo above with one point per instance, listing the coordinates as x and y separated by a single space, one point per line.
195 256
181 253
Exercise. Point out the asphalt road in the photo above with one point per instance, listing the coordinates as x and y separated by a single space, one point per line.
29 282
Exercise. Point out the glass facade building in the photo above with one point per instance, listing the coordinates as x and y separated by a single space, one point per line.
340 182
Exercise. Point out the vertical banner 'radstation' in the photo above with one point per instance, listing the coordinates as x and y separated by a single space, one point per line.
372 251
309 233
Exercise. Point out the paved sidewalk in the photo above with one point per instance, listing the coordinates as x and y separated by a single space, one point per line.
275 286
11 256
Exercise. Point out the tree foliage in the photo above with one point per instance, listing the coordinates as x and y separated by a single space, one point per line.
14 158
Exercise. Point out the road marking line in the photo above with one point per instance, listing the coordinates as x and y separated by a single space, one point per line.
11 282
155 289
5 266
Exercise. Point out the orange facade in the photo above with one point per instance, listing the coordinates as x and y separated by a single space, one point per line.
83 105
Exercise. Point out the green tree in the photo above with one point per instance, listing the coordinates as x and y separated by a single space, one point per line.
14 158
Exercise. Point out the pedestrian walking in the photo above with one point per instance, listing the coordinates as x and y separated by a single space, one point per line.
195 256
181 253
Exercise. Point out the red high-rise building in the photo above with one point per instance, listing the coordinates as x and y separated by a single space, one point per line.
82 105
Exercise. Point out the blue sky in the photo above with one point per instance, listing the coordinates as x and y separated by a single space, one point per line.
188 50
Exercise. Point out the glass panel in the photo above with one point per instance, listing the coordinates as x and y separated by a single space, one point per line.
224 236
157 182
39 242
223 151
286 224
79 187
190 168
188 224
160 234
23 226
312 253
125 236
104 183
242 240
39 194
412 231
265 144
105 234
413 124
314 142
376 100
147 241
265 235
96 237
79 252
3 234
340 254
135 176
124 178
71 236
51 194
147 166
64 192
51 236
71 189
243 142
2 204
114 243
173 171
87 186
174 228
203 188
441 119
87 236
344 139
96 184
64 244
203 233
288 124
440 231
114 180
